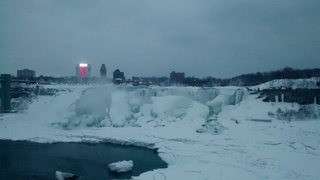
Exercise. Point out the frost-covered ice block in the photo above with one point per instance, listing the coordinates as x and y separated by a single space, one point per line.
121 166
64 175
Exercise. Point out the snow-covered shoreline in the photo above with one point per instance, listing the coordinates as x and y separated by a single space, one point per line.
243 148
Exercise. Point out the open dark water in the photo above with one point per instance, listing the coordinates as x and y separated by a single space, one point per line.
28 160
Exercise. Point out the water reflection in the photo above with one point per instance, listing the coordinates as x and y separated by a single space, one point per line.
29 160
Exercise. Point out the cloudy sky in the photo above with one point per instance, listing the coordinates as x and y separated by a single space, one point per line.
154 37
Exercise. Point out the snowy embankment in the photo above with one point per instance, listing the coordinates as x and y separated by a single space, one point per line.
200 133
289 84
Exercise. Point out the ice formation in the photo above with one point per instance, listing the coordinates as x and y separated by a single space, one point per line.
64 176
121 166
136 106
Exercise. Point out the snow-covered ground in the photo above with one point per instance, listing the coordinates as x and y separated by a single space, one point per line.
200 133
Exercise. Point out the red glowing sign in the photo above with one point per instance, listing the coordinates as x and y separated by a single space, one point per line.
83 71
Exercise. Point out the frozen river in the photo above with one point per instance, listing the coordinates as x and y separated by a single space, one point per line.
29 160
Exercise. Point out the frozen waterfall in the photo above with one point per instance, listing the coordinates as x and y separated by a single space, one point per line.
137 106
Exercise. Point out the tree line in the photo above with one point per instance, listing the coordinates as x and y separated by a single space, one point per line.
252 79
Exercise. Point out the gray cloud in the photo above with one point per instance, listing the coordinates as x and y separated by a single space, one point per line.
145 38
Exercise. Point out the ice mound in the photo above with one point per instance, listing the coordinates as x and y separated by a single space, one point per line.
178 107
121 166
227 96
93 101
120 110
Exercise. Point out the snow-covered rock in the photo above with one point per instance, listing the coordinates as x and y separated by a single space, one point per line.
121 166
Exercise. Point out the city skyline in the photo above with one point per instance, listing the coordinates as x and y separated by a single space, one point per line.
150 38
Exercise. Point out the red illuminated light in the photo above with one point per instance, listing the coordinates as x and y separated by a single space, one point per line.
83 71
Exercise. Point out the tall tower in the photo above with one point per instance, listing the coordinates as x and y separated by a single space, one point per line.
83 70
103 71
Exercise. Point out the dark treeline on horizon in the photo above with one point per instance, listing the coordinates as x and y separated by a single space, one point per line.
252 79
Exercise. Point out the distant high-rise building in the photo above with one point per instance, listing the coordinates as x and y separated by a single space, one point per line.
118 75
83 70
26 73
176 77
103 71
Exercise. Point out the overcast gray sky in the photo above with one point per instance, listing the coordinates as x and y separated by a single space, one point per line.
220 38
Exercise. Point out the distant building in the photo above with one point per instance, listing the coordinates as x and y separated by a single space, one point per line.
26 74
176 77
146 81
118 76
83 70
103 71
